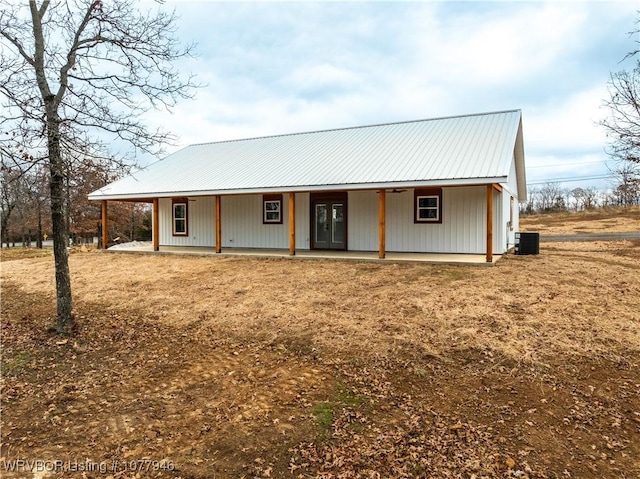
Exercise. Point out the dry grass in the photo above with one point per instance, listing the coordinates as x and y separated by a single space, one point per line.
573 299
12 254
282 368
606 220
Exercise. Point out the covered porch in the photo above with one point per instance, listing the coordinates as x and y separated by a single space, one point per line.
287 218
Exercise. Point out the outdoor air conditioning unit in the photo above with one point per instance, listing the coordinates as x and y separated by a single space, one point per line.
527 243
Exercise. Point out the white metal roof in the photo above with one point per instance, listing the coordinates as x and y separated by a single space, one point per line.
470 149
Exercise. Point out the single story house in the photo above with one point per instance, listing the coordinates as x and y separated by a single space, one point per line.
442 185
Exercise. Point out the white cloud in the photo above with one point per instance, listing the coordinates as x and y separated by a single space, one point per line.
570 125
288 67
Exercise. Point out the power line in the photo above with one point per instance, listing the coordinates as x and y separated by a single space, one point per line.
568 164
571 179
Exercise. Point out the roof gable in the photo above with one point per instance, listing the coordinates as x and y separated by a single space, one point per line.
467 149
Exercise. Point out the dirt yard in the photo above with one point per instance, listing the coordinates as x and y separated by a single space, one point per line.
203 367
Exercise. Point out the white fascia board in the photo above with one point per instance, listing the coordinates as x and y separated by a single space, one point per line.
305 189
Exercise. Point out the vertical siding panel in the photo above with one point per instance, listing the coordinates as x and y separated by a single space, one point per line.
452 213
202 221
229 220
462 223
391 232
400 222
303 233
362 217
459 223
164 207
483 227
461 231
511 189
277 236
500 222
472 220
475 223
200 227
242 225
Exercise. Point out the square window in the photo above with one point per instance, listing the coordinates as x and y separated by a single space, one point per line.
272 209
428 205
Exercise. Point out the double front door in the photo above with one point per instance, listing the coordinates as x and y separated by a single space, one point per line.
329 223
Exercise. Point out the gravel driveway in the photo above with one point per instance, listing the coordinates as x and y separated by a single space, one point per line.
592 236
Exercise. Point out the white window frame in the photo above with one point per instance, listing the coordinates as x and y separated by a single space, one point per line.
278 210
420 208
175 219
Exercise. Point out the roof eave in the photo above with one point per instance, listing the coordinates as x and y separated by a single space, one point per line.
304 188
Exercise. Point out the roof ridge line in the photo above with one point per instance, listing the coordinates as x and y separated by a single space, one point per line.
354 127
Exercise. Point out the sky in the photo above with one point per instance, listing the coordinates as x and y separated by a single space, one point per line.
285 67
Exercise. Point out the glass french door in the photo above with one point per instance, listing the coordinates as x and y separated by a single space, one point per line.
329 225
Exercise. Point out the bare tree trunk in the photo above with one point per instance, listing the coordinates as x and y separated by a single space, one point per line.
133 224
5 234
39 239
67 206
65 321
111 52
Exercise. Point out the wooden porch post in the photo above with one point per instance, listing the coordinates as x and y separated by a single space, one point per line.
489 223
292 224
105 225
155 228
218 225
382 205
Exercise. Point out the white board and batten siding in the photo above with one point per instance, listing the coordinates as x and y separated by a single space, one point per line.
242 225
241 218
463 228
201 226
512 211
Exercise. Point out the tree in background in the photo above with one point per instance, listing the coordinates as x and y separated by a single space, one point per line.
24 204
584 198
9 200
623 125
627 191
125 219
70 70
550 197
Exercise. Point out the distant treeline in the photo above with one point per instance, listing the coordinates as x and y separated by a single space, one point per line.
553 197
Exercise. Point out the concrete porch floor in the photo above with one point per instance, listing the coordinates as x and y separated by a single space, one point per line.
433 258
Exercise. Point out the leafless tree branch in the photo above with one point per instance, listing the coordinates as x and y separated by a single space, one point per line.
72 70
